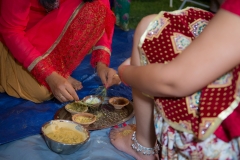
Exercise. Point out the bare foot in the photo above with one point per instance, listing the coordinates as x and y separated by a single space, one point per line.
121 138
77 85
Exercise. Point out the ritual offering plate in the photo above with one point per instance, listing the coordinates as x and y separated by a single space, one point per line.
106 115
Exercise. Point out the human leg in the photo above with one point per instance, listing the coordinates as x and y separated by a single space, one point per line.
143 108
121 138
17 82
143 105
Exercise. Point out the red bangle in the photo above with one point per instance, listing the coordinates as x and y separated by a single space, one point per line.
121 73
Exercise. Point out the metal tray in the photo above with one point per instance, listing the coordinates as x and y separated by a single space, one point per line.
107 116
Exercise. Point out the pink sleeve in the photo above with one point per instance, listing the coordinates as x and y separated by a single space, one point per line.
232 6
104 44
13 22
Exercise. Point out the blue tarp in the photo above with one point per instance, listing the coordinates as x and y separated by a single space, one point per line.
21 120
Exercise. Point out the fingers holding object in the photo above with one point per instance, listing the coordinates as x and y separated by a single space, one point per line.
117 79
67 94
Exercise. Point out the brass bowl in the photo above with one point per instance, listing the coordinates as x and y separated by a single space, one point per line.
85 119
54 129
118 102
76 107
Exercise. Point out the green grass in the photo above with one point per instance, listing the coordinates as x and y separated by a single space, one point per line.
142 8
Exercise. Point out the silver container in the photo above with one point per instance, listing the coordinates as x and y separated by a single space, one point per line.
59 147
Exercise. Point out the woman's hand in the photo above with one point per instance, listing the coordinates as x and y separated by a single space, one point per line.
107 75
61 88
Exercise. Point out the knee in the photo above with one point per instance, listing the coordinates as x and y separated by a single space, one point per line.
43 94
141 28
143 24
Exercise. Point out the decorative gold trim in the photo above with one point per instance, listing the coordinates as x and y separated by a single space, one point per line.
224 114
215 122
34 63
188 100
103 48
64 30
189 109
229 82
143 37
143 58
159 28
174 43
218 120
191 25
175 125
237 90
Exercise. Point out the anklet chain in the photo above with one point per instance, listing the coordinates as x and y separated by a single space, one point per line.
139 148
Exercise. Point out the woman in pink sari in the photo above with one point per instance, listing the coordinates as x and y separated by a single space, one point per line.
184 74
42 42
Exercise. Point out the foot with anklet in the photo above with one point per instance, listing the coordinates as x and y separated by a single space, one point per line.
77 85
124 139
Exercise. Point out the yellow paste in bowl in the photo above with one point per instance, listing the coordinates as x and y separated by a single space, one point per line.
84 120
67 136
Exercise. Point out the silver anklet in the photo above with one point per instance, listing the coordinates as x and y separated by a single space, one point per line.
139 148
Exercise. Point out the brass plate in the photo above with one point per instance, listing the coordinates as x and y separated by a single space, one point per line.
107 116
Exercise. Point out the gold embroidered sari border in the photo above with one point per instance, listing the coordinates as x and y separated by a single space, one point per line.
35 62
221 117
160 14
175 125
216 121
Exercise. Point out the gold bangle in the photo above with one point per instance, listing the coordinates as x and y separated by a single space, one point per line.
116 75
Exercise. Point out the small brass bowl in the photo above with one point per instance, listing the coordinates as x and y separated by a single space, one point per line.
76 107
84 119
118 102
92 101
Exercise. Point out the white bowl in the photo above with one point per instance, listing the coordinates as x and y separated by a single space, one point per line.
92 101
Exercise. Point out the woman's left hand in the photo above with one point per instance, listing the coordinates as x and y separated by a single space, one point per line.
108 75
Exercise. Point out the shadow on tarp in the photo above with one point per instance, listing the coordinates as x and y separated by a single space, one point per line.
21 118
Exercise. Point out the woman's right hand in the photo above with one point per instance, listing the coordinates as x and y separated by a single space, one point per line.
61 88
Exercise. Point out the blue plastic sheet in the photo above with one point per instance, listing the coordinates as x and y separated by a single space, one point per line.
21 120
34 148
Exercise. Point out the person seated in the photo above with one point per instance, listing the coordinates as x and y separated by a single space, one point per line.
122 10
43 41
184 74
